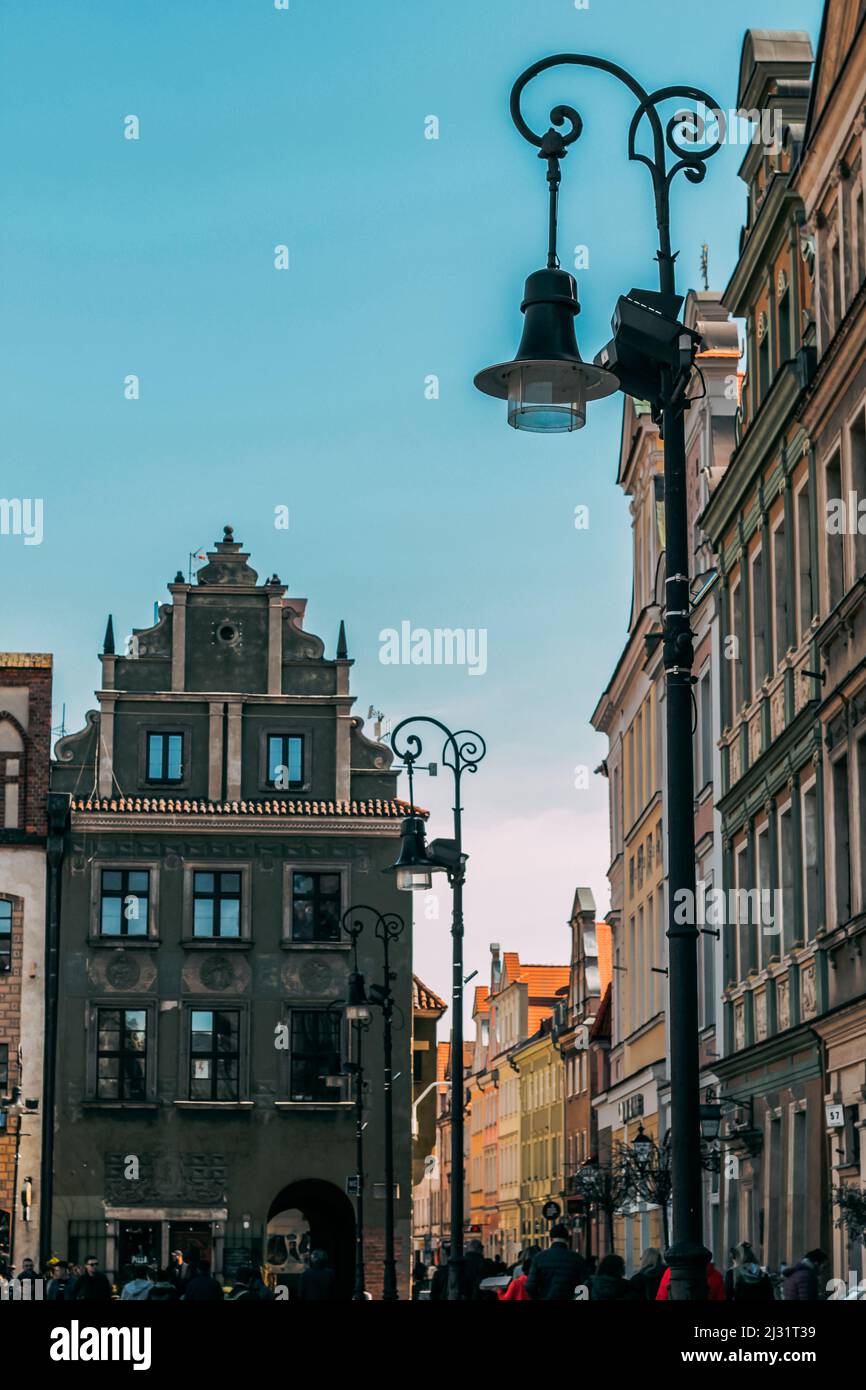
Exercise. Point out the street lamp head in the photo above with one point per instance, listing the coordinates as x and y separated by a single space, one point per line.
548 384
413 870
711 1121
357 1007
643 1147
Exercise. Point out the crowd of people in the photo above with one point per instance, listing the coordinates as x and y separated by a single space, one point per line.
560 1274
185 1280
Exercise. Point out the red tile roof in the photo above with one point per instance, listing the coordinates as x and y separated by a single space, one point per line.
442 1051
424 1000
604 937
482 1000
152 805
601 1025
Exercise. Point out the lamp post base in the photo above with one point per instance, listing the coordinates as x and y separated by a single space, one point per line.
687 1262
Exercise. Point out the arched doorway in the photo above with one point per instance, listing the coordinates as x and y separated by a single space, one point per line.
313 1215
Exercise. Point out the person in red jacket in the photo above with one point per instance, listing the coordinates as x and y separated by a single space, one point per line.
516 1291
715 1283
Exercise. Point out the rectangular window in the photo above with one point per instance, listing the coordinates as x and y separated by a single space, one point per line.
785 327
841 836
857 444
780 594
5 938
764 942
836 536
315 1053
124 901
861 791
785 909
214 1054
759 647
4 1069
804 560
285 761
810 860
121 1054
708 973
704 742
165 757
216 904
743 933
737 653
316 904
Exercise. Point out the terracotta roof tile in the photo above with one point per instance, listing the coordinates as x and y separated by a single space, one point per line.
274 806
424 999
544 980
482 1000
442 1051
604 937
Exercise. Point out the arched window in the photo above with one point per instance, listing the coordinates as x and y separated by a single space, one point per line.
12 751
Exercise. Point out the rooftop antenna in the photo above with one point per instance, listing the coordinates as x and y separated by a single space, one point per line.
197 554
61 727
705 261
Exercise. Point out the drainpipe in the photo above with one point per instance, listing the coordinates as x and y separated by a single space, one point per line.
58 818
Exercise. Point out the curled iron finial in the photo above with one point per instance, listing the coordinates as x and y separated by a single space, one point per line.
461 752
689 125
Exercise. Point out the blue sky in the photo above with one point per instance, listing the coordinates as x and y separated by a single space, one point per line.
305 388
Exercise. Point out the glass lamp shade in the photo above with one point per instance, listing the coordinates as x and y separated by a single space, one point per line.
711 1122
413 880
548 384
643 1147
358 1013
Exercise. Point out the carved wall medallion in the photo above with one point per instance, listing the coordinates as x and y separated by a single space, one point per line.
316 975
216 973
123 971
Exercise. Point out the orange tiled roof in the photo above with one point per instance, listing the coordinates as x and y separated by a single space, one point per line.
423 998
442 1051
604 937
153 805
543 980
482 1000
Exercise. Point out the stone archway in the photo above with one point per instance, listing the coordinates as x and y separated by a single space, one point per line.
320 1217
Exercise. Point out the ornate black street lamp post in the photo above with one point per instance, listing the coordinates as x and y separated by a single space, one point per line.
461 752
547 386
358 1016
387 928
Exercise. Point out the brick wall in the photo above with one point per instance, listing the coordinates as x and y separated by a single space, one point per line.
32 670
374 1270
10 1034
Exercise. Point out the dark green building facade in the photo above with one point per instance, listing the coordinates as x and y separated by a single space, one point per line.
225 811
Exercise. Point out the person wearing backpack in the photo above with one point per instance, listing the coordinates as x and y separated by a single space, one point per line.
745 1280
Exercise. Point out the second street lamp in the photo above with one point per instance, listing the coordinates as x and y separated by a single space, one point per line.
388 927
461 752
652 357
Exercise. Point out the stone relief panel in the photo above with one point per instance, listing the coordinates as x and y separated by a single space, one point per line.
783 1003
216 972
760 1015
313 976
165 1178
808 996
121 970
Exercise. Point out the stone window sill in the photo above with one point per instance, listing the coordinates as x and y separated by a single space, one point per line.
123 942
217 943
288 945
312 1105
214 1104
120 1104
